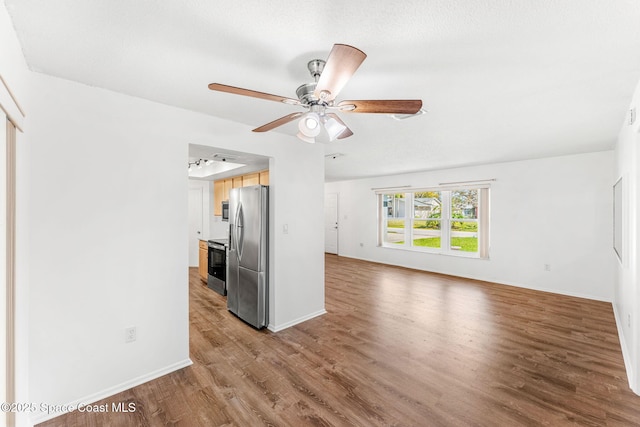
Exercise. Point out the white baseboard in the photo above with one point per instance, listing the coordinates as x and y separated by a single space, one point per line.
488 280
548 290
103 394
626 355
277 328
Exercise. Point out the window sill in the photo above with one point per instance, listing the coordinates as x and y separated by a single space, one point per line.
457 254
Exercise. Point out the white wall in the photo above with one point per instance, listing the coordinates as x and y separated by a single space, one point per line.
12 65
109 235
108 251
627 288
213 226
554 211
218 229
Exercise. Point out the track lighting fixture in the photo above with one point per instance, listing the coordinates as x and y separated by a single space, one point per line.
199 163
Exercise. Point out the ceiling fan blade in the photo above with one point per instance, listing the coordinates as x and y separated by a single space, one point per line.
253 93
385 106
346 133
342 62
278 122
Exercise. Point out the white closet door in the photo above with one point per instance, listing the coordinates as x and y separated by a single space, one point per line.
331 223
195 225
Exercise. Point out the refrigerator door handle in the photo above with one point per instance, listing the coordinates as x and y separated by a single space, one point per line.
239 231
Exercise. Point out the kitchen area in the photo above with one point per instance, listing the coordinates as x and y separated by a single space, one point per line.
228 224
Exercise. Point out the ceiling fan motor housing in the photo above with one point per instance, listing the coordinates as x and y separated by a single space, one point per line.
306 91
305 94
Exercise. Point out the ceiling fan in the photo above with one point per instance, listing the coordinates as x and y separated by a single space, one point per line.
318 97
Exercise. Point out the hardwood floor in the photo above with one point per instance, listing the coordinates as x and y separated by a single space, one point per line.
397 347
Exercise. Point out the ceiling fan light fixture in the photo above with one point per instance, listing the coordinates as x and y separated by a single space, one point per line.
309 125
334 128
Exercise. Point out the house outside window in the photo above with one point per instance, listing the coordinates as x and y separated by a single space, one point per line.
448 221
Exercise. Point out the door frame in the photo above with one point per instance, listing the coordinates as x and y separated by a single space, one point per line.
10 266
14 114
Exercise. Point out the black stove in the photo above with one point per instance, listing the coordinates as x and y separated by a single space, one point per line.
220 241
217 265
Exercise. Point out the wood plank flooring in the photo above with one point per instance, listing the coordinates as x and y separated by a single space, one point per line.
398 347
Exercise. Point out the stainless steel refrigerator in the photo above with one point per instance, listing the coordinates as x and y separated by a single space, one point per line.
247 265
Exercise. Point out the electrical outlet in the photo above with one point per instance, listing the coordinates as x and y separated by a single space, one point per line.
130 334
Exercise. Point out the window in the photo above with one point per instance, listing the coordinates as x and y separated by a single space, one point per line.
394 212
449 221
464 220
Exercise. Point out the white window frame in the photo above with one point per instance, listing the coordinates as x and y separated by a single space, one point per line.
445 221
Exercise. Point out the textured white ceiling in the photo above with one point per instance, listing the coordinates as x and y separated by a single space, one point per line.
502 80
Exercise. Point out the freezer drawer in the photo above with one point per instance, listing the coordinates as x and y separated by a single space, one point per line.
252 307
